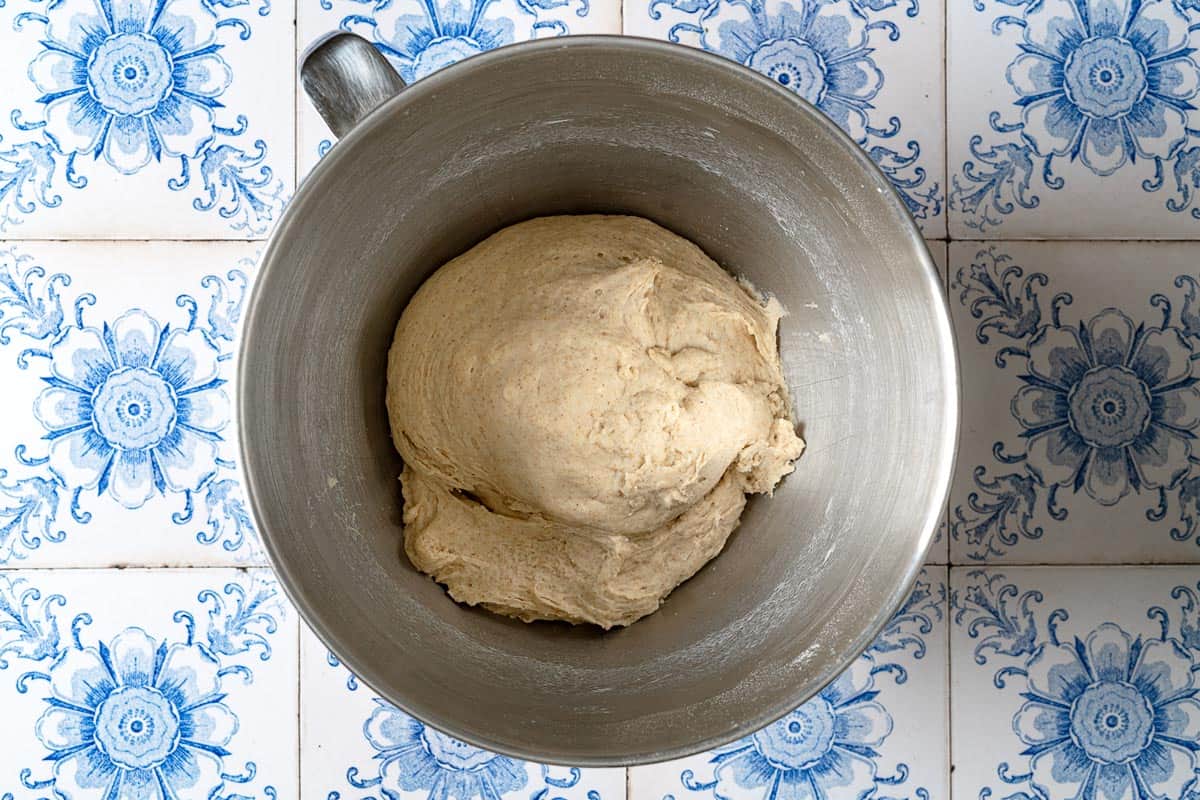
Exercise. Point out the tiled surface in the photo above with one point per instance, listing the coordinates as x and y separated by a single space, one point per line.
1053 104
1079 403
356 742
98 141
997 120
72 498
421 36
104 674
1074 682
885 88
878 730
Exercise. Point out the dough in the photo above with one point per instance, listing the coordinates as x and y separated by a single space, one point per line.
582 404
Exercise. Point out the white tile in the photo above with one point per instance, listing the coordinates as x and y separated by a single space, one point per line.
1079 413
421 37
177 500
874 66
116 678
1067 682
1066 128
879 730
355 745
188 134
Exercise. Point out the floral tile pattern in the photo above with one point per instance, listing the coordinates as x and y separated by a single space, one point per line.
358 746
419 37
107 696
146 653
1061 690
118 447
1055 103
875 67
1080 402
145 118
878 730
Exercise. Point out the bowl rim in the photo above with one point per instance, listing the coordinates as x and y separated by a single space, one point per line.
943 337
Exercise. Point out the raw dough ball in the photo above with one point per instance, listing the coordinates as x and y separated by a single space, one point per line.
582 404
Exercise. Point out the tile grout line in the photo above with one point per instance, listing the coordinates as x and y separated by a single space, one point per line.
295 96
949 694
946 146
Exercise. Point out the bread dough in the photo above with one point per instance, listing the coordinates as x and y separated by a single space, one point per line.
582 404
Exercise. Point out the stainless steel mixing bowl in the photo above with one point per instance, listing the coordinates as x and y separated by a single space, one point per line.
770 189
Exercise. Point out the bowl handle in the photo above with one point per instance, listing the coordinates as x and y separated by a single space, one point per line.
346 78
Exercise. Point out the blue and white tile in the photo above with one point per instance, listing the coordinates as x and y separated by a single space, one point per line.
1080 404
875 67
355 746
420 37
139 119
1074 119
147 684
879 730
1075 682
117 444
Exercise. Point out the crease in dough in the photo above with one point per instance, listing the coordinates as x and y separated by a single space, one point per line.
582 404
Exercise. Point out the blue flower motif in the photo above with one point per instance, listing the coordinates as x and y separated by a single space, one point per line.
1112 717
133 82
136 720
1108 407
446 31
817 49
418 758
824 750
133 408
1105 81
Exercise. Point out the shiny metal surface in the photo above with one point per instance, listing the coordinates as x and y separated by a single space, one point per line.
345 79
767 187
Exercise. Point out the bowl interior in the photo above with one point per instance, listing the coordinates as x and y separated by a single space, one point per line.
759 181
